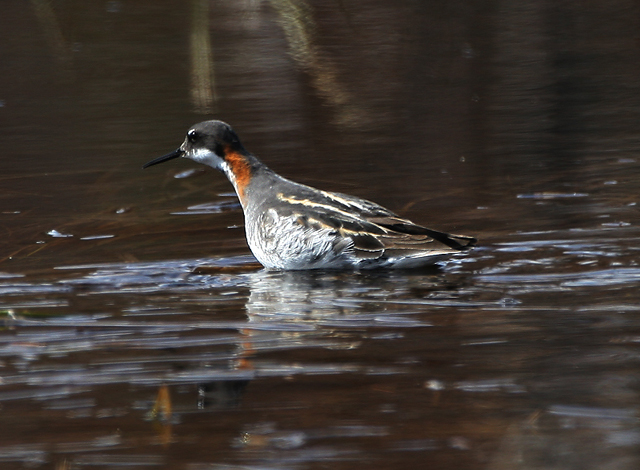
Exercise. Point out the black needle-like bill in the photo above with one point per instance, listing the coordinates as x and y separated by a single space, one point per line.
170 156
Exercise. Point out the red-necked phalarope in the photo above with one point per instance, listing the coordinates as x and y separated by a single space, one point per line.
291 226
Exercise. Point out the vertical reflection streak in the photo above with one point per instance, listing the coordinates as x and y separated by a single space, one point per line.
53 36
299 27
203 94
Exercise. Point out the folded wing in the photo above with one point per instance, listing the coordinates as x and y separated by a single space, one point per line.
375 231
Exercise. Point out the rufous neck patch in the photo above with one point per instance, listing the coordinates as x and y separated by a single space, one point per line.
240 168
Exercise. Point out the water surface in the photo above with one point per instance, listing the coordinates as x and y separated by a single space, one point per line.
136 331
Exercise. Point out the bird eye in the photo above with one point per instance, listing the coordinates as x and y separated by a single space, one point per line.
192 136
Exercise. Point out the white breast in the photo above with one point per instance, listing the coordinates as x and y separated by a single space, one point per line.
283 243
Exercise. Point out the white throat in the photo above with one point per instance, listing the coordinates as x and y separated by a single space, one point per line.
207 157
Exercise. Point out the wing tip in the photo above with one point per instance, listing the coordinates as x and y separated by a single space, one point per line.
469 243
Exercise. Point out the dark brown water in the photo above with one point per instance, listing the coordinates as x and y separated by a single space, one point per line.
135 333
